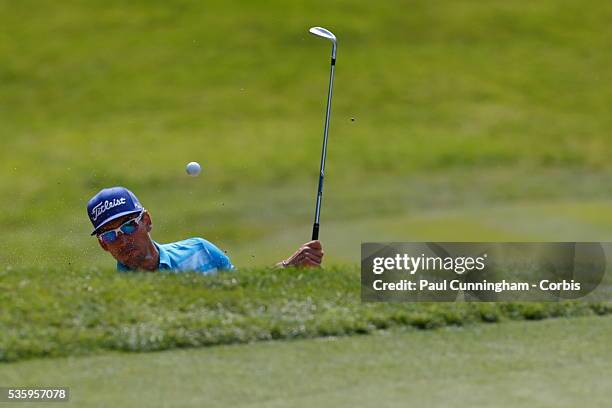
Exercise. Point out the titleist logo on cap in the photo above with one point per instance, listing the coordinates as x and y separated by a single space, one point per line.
101 208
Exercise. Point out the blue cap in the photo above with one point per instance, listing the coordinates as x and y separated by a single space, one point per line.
110 204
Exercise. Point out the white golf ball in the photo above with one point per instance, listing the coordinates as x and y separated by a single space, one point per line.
193 168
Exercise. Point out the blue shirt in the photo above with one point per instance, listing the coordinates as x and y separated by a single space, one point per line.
193 254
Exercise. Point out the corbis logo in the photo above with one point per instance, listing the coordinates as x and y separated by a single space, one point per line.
102 207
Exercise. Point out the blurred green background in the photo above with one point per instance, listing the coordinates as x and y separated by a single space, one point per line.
451 120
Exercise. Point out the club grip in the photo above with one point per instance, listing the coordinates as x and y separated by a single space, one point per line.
315 231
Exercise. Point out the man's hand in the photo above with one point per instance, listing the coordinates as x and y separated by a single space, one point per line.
309 254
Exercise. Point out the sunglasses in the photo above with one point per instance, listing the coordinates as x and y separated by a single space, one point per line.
127 228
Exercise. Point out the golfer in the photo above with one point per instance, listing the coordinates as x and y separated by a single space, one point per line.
122 227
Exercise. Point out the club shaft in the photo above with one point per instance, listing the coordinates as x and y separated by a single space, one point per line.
315 227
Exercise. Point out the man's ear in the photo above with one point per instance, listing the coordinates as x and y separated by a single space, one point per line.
102 244
146 218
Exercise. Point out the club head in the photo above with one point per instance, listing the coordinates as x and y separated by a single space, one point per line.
328 35
323 33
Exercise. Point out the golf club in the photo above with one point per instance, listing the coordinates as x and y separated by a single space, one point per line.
324 33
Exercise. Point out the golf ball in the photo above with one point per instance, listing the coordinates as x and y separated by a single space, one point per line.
193 168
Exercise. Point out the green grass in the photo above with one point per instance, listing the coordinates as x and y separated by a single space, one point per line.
554 363
76 311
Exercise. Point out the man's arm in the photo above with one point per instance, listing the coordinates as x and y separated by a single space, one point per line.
220 260
309 254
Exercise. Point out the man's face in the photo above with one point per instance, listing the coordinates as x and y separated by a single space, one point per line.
129 249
